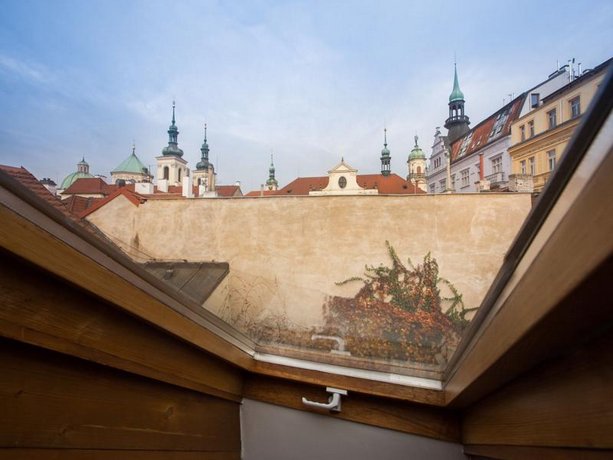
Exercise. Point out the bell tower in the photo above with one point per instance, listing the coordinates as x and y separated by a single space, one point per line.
457 123
171 167
385 156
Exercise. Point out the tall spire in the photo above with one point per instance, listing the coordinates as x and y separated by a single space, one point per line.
385 156
456 93
173 138
271 183
457 123
204 159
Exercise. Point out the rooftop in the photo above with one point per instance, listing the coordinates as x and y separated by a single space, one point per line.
386 185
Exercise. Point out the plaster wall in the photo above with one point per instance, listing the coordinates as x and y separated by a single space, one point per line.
286 254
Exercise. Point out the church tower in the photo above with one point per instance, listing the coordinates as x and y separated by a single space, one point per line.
417 167
205 171
171 167
457 123
271 183
385 156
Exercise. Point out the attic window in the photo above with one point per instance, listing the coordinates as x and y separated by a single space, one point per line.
535 99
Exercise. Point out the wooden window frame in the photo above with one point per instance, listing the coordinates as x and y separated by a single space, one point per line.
570 206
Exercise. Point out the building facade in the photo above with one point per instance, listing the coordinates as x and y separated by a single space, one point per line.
479 158
539 138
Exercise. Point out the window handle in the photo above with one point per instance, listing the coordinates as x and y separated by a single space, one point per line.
334 401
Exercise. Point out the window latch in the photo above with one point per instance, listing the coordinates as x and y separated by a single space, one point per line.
334 401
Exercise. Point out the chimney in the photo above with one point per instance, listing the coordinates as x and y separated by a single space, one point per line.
144 188
188 191
163 185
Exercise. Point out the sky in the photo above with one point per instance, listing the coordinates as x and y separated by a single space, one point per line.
308 81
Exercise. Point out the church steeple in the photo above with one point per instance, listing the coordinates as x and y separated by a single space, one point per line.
83 166
271 183
417 167
204 159
173 136
457 123
385 156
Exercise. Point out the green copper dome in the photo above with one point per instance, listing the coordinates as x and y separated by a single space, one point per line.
72 178
417 153
456 94
130 165
82 172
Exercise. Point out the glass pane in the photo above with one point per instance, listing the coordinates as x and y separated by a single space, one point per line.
380 283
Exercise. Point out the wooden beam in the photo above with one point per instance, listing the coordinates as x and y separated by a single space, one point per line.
550 272
111 454
28 240
540 453
50 400
356 407
566 403
40 309
580 315
375 388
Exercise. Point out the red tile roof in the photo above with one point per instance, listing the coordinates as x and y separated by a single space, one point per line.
262 193
386 185
33 184
77 204
489 130
90 186
228 190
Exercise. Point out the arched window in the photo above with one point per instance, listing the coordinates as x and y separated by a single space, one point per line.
179 180
419 170
166 172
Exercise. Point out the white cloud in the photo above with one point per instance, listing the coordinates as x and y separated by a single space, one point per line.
30 71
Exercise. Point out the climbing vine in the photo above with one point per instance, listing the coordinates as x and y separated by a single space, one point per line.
398 313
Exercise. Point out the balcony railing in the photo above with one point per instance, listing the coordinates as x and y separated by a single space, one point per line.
496 178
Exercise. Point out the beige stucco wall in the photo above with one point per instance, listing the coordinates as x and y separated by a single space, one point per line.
286 253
